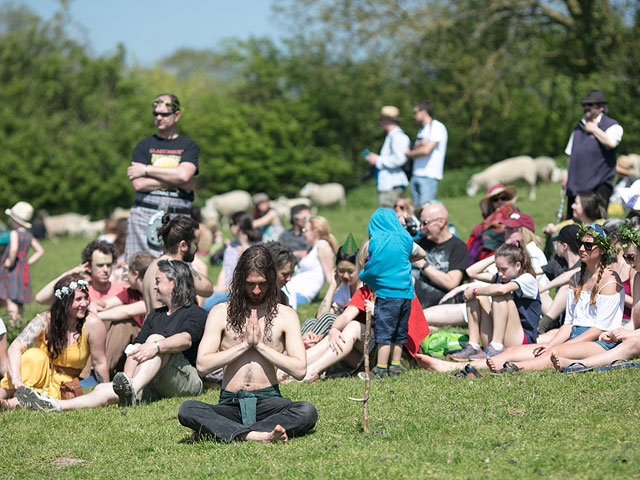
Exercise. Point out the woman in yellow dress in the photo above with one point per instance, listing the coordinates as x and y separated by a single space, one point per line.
62 338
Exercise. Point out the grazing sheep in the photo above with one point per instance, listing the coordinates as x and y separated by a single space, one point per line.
635 161
284 205
324 195
545 168
228 203
72 224
558 174
505 172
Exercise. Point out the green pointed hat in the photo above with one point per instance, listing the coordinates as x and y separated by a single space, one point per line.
350 247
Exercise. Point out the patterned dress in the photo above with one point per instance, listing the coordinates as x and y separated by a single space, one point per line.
15 283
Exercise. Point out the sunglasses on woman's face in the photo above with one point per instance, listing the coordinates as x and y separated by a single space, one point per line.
501 198
629 257
588 246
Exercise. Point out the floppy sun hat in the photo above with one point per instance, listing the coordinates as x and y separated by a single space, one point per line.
21 213
494 191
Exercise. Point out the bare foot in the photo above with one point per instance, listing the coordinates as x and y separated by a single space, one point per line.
491 363
279 434
435 364
310 378
560 363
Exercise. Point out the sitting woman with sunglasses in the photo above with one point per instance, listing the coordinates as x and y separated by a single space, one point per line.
594 305
627 336
496 206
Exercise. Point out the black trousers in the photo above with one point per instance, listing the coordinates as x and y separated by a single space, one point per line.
224 422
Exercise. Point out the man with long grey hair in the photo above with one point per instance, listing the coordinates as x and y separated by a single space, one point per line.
160 362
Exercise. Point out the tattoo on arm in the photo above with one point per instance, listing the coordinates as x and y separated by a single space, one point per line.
98 377
195 274
30 332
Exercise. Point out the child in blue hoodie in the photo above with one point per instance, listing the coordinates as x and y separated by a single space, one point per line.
388 274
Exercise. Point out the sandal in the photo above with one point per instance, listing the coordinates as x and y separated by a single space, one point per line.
615 365
576 367
4 405
471 370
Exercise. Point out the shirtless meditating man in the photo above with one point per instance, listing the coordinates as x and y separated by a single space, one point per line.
247 336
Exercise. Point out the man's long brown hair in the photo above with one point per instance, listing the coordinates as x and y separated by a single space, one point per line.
258 259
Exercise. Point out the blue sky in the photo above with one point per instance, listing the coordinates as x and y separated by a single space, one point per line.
153 29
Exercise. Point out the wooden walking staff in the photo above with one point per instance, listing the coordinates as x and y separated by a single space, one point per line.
367 371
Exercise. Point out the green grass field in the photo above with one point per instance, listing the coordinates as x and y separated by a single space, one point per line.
423 425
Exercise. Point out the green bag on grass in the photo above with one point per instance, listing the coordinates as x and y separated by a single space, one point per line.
444 342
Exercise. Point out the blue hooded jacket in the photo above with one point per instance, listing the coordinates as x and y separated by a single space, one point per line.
388 271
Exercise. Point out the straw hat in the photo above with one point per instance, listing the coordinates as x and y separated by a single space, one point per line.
497 190
624 165
389 113
21 213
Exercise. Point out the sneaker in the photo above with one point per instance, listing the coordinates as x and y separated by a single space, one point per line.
123 387
32 400
487 352
375 374
464 354
395 370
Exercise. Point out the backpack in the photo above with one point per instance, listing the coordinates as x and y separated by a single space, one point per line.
444 342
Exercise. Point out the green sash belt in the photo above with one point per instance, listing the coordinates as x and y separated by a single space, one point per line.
248 400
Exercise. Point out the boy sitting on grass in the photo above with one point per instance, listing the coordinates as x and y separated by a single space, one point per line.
388 274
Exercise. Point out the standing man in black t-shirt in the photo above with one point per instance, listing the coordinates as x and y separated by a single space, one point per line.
161 172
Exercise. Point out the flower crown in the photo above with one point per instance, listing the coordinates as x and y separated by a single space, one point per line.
628 235
600 238
66 290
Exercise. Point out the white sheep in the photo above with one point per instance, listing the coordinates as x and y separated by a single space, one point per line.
227 204
505 172
324 195
545 168
71 224
284 205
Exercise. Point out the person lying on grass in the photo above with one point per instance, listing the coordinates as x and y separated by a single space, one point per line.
627 336
594 306
162 357
63 338
506 312
248 336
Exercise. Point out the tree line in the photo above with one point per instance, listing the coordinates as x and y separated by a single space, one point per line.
504 76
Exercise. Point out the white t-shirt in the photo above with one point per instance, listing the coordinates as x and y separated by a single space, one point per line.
528 285
3 329
431 165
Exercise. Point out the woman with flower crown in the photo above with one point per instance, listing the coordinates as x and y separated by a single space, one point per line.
62 339
594 305
627 336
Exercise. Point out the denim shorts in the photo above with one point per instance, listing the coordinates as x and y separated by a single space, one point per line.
391 320
607 346
575 331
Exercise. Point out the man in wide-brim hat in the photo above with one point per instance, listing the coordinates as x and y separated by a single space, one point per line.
592 150
391 179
